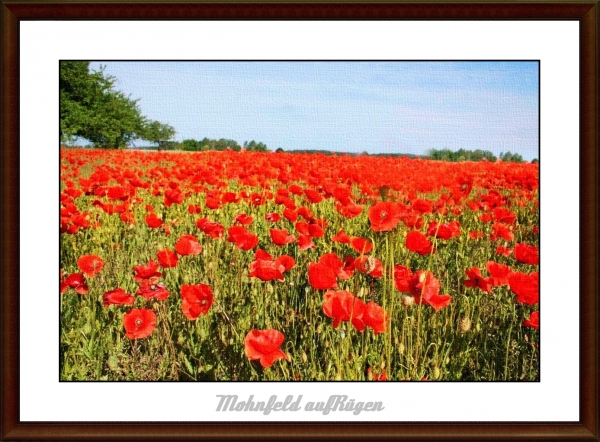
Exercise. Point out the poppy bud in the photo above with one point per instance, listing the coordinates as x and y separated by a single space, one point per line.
407 301
464 324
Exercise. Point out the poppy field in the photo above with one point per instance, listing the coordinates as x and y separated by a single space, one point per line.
248 266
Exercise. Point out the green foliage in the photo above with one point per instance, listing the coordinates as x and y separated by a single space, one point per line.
461 155
473 155
511 157
192 145
159 133
254 146
92 109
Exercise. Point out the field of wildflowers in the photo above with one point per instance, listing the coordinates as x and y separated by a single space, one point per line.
244 266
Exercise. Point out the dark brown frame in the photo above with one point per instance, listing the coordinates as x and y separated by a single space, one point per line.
13 11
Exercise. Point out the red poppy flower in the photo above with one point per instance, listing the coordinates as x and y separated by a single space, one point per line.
291 215
152 290
75 281
313 196
281 237
128 217
302 227
273 217
194 209
526 287
422 206
417 242
402 278
376 377
200 223
369 265
315 230
73 192
412 221
476 234
295 189
321 277
361 245
231 197
214 230
486 218
244 219
503 251
188 245
349 209
332 261
503 231
117 297
256 199
341 237
533 321
498 272
139 323
117 193
261 254
375 317
527 254
263 345
477 280
146 272
384 216
306 213
153 221
425 289
305 242
344 306
91 265
286 261
242 238
445 230
196 300
503 215
266 268
167 258
173 196
212 203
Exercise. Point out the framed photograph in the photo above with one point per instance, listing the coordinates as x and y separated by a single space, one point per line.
86 367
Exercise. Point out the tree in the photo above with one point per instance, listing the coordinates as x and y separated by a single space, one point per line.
191 145
511 157
158 133
92 109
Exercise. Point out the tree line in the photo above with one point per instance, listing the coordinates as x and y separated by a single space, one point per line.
192 145
472 155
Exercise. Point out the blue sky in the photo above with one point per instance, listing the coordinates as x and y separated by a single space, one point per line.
378 107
